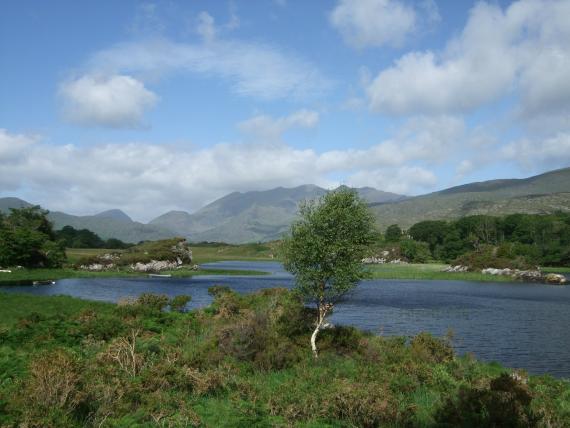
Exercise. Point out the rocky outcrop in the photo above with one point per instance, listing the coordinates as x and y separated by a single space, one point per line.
523 275
155 266
457 268
386 256
148 257
555 278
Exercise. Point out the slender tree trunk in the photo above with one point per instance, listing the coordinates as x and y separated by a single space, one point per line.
322 309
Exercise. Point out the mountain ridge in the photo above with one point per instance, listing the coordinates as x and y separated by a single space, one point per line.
263 215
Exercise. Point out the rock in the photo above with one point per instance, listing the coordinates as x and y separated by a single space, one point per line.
457 268
527 275
554 278
97 267
154 266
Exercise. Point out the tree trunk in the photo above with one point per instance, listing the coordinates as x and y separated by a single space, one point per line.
323 309
314 340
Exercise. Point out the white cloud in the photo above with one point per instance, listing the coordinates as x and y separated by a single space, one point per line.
365 23
13 146
428 139
532 155
465 167
524 49
402 180
267 128
251 69
100 100
148 179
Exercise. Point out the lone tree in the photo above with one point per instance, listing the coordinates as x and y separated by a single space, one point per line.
324 249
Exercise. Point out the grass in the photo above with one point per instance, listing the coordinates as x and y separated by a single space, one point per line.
30 275
431 271
206 253
243 361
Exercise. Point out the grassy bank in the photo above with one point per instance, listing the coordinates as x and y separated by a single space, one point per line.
243 361
30 275
432 271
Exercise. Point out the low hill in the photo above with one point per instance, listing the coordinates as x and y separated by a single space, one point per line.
540 194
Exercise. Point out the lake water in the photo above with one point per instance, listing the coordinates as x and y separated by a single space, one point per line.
519 325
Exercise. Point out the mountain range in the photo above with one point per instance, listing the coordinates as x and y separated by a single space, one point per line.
264 215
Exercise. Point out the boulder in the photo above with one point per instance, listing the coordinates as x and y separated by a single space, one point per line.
554 278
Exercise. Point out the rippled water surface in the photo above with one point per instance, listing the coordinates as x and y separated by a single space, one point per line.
519 325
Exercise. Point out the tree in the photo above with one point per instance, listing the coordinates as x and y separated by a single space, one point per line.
324 249
393 233
27 239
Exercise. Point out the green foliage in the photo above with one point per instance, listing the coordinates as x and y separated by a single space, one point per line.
75 363
488 256
27 239
525 239
325 246
178 303
83 238
413 251
393 233
506 402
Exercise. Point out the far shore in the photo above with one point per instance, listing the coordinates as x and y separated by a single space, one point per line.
428 272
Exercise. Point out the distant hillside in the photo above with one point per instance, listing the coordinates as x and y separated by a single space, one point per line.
8 203
266 215
109 224
251 216
543 193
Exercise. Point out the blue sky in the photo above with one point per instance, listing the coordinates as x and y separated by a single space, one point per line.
169 105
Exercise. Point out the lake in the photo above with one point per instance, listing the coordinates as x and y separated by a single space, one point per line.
519 325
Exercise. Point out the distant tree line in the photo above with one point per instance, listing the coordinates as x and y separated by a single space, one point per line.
538 239
84 238
27 239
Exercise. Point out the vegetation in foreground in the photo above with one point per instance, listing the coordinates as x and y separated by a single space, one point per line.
243 361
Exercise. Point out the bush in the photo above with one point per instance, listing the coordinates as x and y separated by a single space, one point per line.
178 303
431 349
505 403
488 257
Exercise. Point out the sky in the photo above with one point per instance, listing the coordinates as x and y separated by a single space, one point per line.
155 106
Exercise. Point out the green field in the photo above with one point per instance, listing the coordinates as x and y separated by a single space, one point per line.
431 271
243 361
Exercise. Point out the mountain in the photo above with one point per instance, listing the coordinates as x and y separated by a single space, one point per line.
251 216
108 224
266 215
7 203
544 193
114 214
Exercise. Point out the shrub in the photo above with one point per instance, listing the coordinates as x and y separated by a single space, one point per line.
52 389
153 302
505 403
431 349
179 303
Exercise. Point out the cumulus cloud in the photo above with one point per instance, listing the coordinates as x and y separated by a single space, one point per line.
523 50
267 128
250 68
402 180
148 179
531 155
116 101
365 23
13 146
